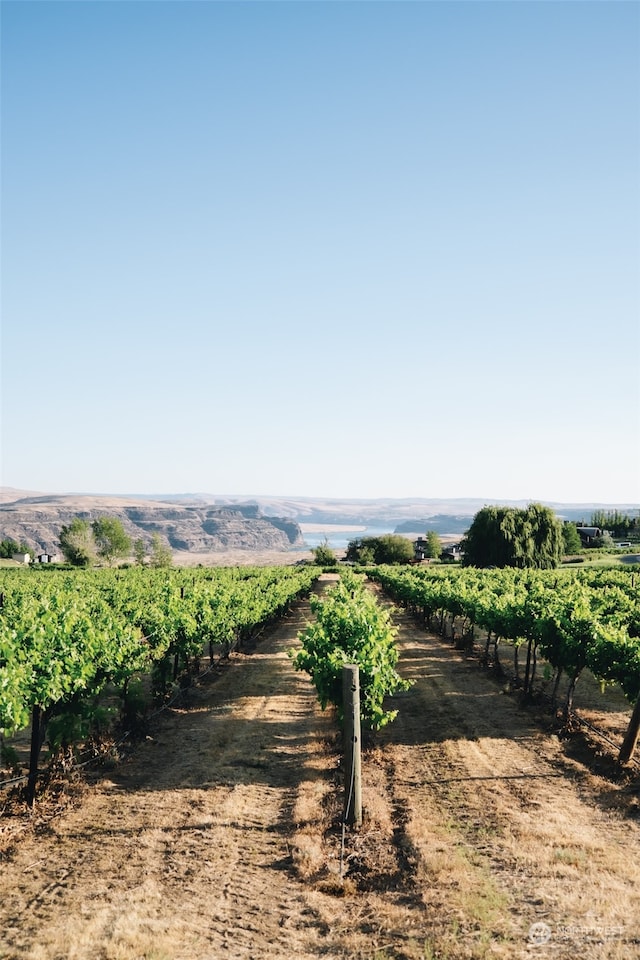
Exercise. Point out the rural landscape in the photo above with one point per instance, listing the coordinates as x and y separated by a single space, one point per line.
174 781
320 503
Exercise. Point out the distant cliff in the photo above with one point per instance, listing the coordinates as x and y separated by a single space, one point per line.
440 523
37 521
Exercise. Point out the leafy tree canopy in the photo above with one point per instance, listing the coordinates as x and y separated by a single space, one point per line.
9 547
434 545
571 539
620 524
161 555
389 548
77 543
510 537
112 541
605 540
139 552
324 555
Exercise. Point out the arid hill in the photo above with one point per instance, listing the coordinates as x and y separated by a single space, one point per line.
198 529
197 524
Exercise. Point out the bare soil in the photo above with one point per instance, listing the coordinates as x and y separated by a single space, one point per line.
486 834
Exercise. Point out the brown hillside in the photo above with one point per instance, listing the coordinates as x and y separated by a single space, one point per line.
202 529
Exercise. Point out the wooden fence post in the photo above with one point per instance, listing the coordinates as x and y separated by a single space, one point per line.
36 744
352 761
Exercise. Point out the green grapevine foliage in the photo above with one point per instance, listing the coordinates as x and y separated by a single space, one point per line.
66 637
351 628
573 619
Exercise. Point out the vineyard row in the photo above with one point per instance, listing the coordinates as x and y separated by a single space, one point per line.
69 637
574 620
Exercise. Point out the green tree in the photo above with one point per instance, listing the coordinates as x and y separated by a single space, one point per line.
9 547
389 548
324 555
161 555
484 544
543 530
393 548
112 541
434 545
571 539
620 524
509 537
605 540
354 550
139 552
366 556
77 543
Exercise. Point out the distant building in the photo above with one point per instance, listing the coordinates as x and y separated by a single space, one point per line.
589 534
420 547
421 551
47 558
452 552
24 558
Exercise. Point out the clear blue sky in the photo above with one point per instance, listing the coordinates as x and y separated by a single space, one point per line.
324 249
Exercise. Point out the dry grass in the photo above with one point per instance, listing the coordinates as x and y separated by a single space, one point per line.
221 835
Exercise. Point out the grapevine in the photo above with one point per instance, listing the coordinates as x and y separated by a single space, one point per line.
351 628
575 620
67 637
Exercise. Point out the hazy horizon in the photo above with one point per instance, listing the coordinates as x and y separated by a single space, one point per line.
8 490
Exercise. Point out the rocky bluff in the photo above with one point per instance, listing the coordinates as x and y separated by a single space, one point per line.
37 521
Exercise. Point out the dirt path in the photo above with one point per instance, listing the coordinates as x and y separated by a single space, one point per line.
184 852
514 840
220 836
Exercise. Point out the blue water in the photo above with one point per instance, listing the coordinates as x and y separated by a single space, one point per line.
340 539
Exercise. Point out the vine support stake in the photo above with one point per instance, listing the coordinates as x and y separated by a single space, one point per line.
36 743
352 753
